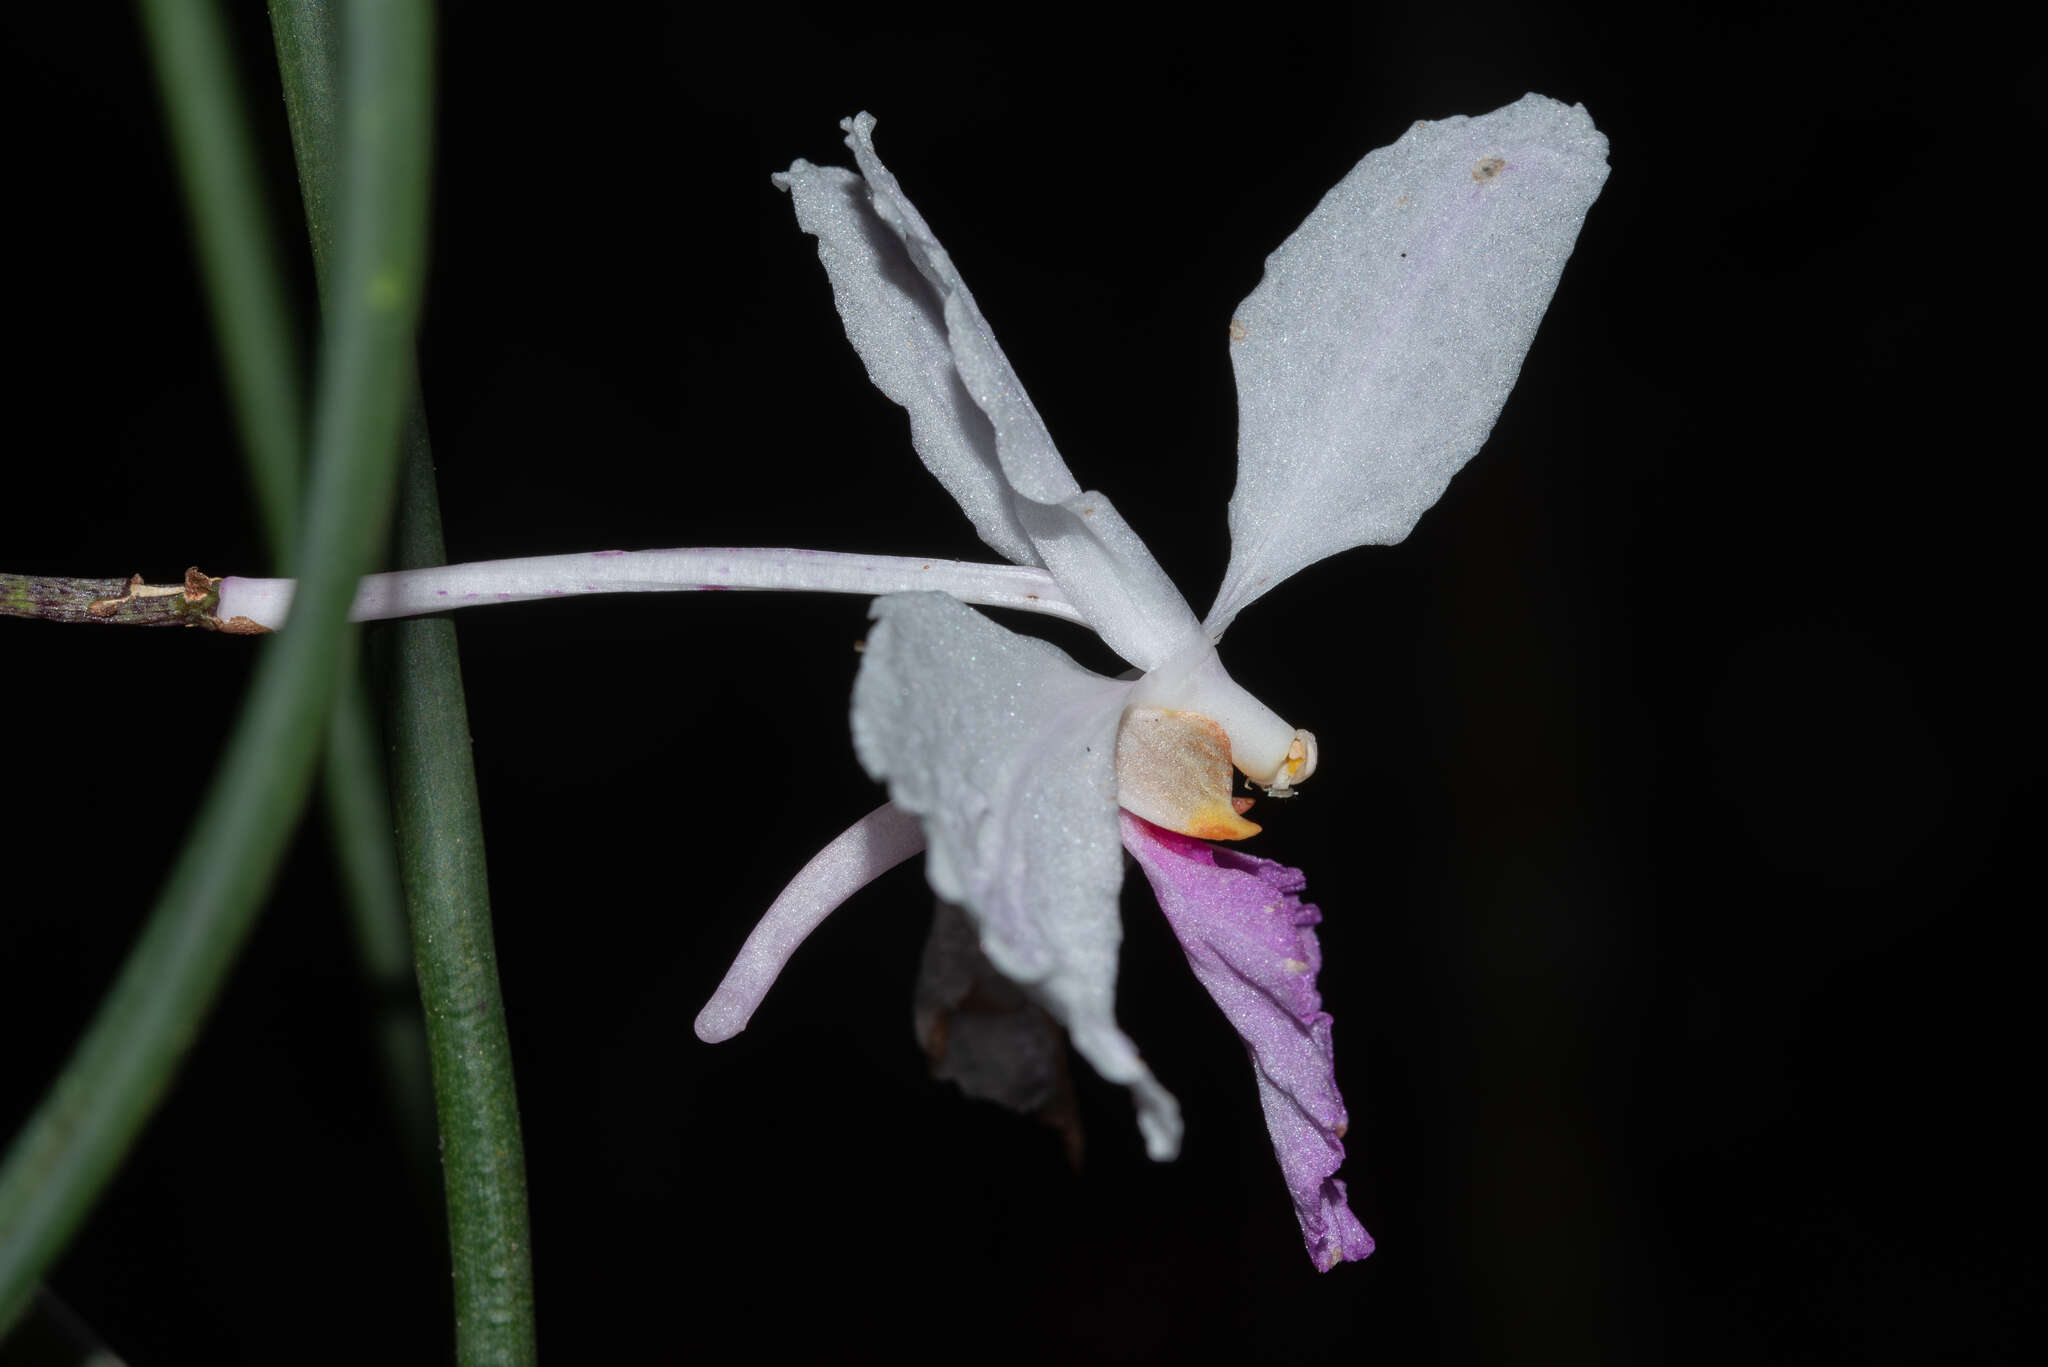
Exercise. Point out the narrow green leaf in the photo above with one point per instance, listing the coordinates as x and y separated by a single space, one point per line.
209 131
360 826
306 37
203 108
64 1156
441 854
440 827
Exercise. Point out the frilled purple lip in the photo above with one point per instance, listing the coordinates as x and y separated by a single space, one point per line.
1251 941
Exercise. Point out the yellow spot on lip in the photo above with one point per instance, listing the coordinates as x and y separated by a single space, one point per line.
1209 822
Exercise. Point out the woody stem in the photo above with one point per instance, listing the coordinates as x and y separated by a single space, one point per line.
111 602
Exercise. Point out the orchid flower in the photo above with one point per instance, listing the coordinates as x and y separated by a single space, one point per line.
1371 362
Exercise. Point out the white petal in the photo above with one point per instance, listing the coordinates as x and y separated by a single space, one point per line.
1378 349
1007 750
926 345
872 846
1029 458
895 320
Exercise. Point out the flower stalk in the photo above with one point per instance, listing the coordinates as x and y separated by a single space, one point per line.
415 592
247 605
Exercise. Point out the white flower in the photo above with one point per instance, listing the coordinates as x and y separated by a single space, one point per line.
1371 362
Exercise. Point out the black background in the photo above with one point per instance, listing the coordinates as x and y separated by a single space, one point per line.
1672 769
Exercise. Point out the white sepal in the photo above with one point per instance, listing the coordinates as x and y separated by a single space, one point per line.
1006 749
1029 459
895 320
927 346
1379 347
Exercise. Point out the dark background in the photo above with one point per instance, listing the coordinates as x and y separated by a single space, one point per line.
1670 802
